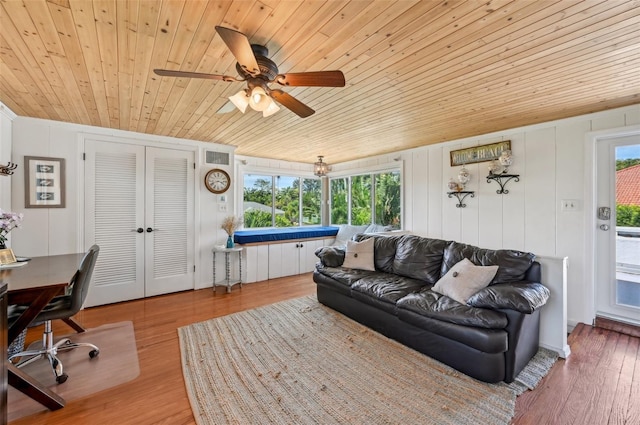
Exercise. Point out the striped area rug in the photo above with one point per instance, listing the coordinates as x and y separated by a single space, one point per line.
299 362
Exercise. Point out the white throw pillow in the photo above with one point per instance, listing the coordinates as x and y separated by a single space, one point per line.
359 255
464 279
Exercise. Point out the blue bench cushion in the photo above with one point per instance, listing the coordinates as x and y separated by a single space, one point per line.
282 234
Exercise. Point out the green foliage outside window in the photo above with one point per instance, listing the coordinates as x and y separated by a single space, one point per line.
339 196
259 192
626 163
387 202
628 215
384 208
361 200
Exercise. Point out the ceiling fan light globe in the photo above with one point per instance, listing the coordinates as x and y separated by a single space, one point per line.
259 100
241 100
272 109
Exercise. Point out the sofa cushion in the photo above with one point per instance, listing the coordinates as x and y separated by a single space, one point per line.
376 228
464 279
525 297
481 339
330 256
431 304
342 275
346 233
386 286
513 264
419 258
359 255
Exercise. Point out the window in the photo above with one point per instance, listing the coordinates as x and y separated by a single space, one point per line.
366 198
340 201
361 200
278 201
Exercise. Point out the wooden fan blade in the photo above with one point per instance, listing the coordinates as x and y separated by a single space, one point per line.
312 79
170 73
293 104
239 45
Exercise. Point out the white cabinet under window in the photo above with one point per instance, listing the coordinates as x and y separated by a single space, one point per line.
279 259
139 208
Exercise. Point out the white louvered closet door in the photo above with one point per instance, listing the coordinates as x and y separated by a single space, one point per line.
139 209
114 211
169 252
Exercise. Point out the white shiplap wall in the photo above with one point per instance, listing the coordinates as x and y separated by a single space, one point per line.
51 231
550 160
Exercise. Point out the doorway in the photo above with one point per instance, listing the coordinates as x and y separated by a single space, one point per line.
617 240
139 207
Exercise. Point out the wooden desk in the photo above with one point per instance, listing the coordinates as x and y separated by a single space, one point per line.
35 285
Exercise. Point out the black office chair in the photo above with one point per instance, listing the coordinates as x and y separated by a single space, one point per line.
63 308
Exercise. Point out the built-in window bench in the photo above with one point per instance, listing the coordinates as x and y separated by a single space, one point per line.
272 253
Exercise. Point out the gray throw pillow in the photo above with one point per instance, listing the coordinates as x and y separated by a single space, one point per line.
464 279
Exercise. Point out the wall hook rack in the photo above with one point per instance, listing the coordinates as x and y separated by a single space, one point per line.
7 170
461 194
502 180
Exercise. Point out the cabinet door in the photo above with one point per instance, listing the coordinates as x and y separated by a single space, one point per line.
308 257
283 259
257 263
114 210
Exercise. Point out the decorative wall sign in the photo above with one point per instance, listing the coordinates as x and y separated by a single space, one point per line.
44 182
479 153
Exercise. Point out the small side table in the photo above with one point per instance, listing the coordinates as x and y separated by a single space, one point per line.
227 267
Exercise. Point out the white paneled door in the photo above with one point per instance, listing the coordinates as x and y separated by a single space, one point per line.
617 289
139 207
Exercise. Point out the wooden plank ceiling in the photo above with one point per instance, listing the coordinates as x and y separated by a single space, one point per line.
417 72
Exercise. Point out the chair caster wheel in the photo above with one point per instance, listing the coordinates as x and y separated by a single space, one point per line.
62 378
93 353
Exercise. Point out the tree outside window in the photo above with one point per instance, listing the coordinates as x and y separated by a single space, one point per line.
361 200
339 201
311 201
366 199
276 201
387 199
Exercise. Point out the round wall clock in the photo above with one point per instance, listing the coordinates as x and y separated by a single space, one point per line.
217 181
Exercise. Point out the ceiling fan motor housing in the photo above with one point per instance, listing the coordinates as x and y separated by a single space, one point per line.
268 68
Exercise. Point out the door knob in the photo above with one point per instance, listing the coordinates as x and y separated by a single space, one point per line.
149 230
604 227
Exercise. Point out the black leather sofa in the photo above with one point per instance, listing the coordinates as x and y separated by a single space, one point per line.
491 338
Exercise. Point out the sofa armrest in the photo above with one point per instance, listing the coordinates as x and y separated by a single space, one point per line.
330 256
524 297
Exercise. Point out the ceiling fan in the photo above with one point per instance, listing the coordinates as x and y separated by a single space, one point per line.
259 71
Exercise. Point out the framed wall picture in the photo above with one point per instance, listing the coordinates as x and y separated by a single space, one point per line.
44 182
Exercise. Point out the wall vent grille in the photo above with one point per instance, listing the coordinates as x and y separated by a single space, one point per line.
212 157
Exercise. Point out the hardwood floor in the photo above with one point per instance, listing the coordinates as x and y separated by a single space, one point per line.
598 384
